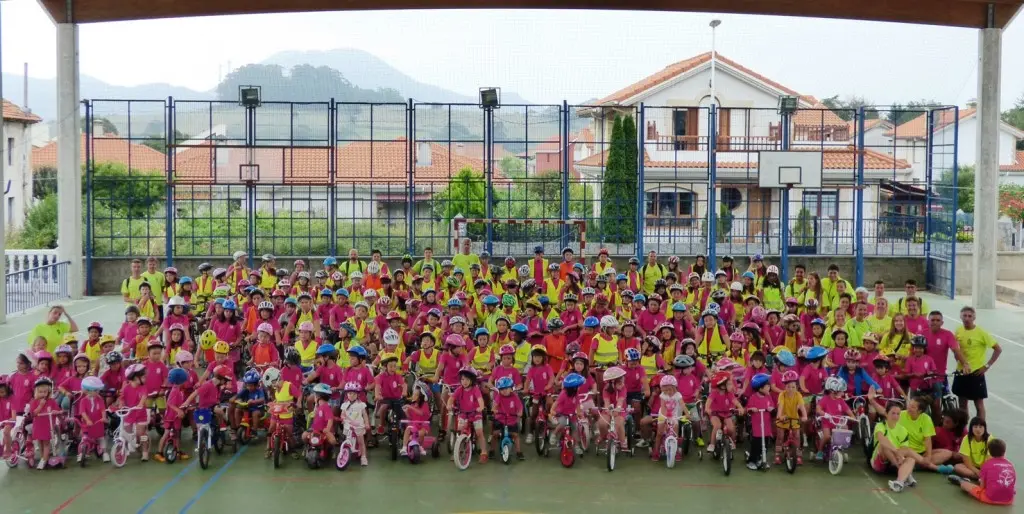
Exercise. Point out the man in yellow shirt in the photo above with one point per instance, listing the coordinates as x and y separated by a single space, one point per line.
974 344
156 281
130 286
651 272
53 329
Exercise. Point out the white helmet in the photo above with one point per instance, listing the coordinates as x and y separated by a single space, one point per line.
304 274
609 271
391 337
271 376
524 271
707 277
373 267
609 321
176 300
736 286
773 269
835 384
265 327
239 254
356 274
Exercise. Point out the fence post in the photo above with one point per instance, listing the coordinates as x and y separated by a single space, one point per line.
411 201
712 180
639 185
250 187
784 219
169 141
332 174
858 223
89 250
566 163
489 175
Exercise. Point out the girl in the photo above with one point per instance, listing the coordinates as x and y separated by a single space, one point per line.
175 412
817 333
447 374
831 405
566 409
890 448
837 356
888 387
20 383
736 300
813 290
356 418
113 377
671 406
760 406
540 380
133 397
814 374
323 416
62 364
749 285
771 290
628 338
44 364
508 409
682 321
973 449
739 350
615 402
71 387
468 402
719 408
507 354
42 407
228 328
176 343
792 412
651 360
896 344
417 412
90 412
482 356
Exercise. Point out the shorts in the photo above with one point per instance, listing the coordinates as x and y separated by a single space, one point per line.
970 387
254 409
478 423
635 397
172 422
500 428
879 464
789 424
160 402
979 494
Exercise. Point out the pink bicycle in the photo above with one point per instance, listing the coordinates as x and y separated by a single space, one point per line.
86 444
416 449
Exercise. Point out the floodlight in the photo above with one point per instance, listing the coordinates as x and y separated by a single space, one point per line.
490 97
249 96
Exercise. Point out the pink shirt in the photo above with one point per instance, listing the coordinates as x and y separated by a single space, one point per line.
838 356
918 325
113 379
390 386
510 371
156 376
174 399
939 345
922 365
21 389
886 386
207 396
761 422
467 401
92 407
171 319
128 332
321 417
452 365
6 409
228 332
648 322
131 397
570 318
634 379
361 375
41 424
507 409
748 375
689 386
60 374
332 375
721 403
537 378
614 399
814 379
72 384
414 413
999 479
833 407
566 405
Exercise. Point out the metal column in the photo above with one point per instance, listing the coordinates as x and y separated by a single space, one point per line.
858 225
712 179
784 208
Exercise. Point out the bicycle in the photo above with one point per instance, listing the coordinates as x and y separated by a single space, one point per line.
583 426
541 431
155 416
947 400
245 432
125 441
393 427
568 442
859 405
791 448
86 444
279 442
670 443
613 436
506 447
463 447
724 448
348 447
172 448
15 453
835 452
206 437
317 450
693 432
764 465
414 450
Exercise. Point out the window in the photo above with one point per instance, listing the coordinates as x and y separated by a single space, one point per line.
731 198
670 208
822 204
10 151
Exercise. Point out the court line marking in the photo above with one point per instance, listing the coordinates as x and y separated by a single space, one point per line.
880 492
1006 402
209 483
170 483
88 487
18 336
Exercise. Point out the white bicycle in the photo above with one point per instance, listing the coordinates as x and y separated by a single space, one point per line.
125 441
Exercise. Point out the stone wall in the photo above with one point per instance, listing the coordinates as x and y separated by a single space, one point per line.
1010 268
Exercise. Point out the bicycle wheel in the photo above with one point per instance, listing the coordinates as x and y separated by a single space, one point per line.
541 439
170 453
344 456
203 449
567 454
463 452
506 451
835 461
726 458
15 452
120 457
449 442
687 436
790 459
275 448
613 448
671 447
312 458
584 441
218 442
865 437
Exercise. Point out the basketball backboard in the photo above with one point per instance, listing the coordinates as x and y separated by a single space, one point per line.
799 169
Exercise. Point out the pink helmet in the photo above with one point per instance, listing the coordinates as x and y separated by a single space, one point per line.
336 276
183 356
758 314
614 373
507 349
751 326
306 326
669 381
177 326
384 301
133 370
790 376
737 337
5 380
43 355
353 386
455 340
572 348
268 328
725 363
580 356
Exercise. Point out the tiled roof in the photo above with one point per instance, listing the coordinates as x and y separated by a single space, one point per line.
14 113
832 159
362 162
674 70
917 128
868 124
476 151
1018 165
135 156
819 115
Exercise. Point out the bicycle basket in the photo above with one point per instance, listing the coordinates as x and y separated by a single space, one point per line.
842 437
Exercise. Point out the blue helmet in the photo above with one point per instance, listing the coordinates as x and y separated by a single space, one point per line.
287 301
543 299
230 305
322 389
632 354
325 349
578 267
185 280
455 302
491 300
504 383
620 276
679 307
758 257
640 298
519 327
591 322
326 292
251 377
760 380
341 292
816 353
480 332
220 301
177 376
573 380
330 261
358 351
786 358
818 321
748 274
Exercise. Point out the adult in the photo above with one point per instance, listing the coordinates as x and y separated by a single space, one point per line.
910 290
796 286
538 265
652 271
891 447
916 322
353 264
156 279
465 259
428 258
920 431
53 329
130 286
974 342
828 285
940 343
237 270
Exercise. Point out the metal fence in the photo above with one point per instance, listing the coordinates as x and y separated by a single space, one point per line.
32 287
206 178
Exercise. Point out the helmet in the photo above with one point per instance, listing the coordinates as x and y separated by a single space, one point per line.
591 322
570 298
538 349
609 321
668 381
707 277
792 301
482 331
664 326
204 267
107 338
588 291
265 327
391 337
790 318
683 362
353 386
322 389
614 373
306 326
270 377
852 354
748 274
504 383
432 312
81 356
113 358
773 269
207 339
720 378
44 355
528 283
679 307
292 356
176 301
725 363
654 342
816 353
758 314
183 356
230 305
325 349
759 380
454 302
455 340
266 306
572 348
556 324
718 294
330 261
632 354
811 302
790 376
573 380
219 272
786 358
251 377
818 321
96 325
340 292
88 383
737 337
373 267
320 274
43 381
524 271
919 340
64 348
835 384
469 372
171 269
177 326
736 286
508 300
222 371
135 369
220 292
337 275
506 349
634 260
177 376
358 351
519 327
660 283
491 300
221 347
580 356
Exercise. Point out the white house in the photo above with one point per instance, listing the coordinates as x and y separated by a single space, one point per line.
17 162
674 129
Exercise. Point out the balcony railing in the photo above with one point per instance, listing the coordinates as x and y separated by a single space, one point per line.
725 143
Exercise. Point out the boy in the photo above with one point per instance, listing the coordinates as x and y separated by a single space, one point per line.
998 478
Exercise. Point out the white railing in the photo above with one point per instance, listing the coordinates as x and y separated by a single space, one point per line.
20 260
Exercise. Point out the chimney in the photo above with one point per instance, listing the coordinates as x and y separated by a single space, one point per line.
97 128
422 154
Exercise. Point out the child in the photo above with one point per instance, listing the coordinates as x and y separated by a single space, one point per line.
251 398
507 368
888 387
417 412
636 383
62 364
566 409
831 405
469 402
613 394
133 398
264 352
90 413
207 395
688 381
323 416
390 392
508 408
113 377
356 419
671 406
997 478
721 402
791 413
6 414
540 380
973 450
42 407
919 367
71 387
760 406
174 414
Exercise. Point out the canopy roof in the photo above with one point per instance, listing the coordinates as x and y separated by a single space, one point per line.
957 13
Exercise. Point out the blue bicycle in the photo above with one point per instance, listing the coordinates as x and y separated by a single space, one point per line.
506 446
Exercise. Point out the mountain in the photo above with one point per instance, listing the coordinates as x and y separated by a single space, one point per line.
366 70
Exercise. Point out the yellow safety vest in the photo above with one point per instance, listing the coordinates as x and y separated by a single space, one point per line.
522 356
268 280
790 342
428 363
650 364
772 298
607 351
308 353
284 395
482 357
712 335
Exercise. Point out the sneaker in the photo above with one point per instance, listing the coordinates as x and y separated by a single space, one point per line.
945 469
520 456
579 450
80 457
423 451
911 481
700 441
145 457
184 456
778 460
159 457
553 440
483 458
799 460
42 465
752 466
403 452
896 486
363 461
820 456
955 480
529 438
655 457
106 457
642 443
711 448
267 454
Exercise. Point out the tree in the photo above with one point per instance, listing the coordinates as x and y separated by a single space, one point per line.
902 113
964 187
512 167
847 107
1015 117
466 194
133 194
1011 202
724 224
803 232
44 182
40 228
619 190
160 144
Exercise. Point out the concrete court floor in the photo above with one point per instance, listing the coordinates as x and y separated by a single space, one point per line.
247 481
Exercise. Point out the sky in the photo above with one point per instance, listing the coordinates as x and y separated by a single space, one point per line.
545 56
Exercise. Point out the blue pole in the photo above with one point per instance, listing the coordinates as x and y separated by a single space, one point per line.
712 179
956 199
410 158
566 169
88 198
169 140
784 219
489 174
858 224
640 215
332 172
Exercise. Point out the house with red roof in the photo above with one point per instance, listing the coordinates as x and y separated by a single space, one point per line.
675 133
17 162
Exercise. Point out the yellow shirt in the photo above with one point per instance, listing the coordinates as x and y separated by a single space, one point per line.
917 430
130 287
789 404
889 345
268 280
897 435
879 326
977 451
156 282
974 344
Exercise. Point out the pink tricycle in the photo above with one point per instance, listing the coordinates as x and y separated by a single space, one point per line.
416 449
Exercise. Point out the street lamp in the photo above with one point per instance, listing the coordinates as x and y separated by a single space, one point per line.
714 24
